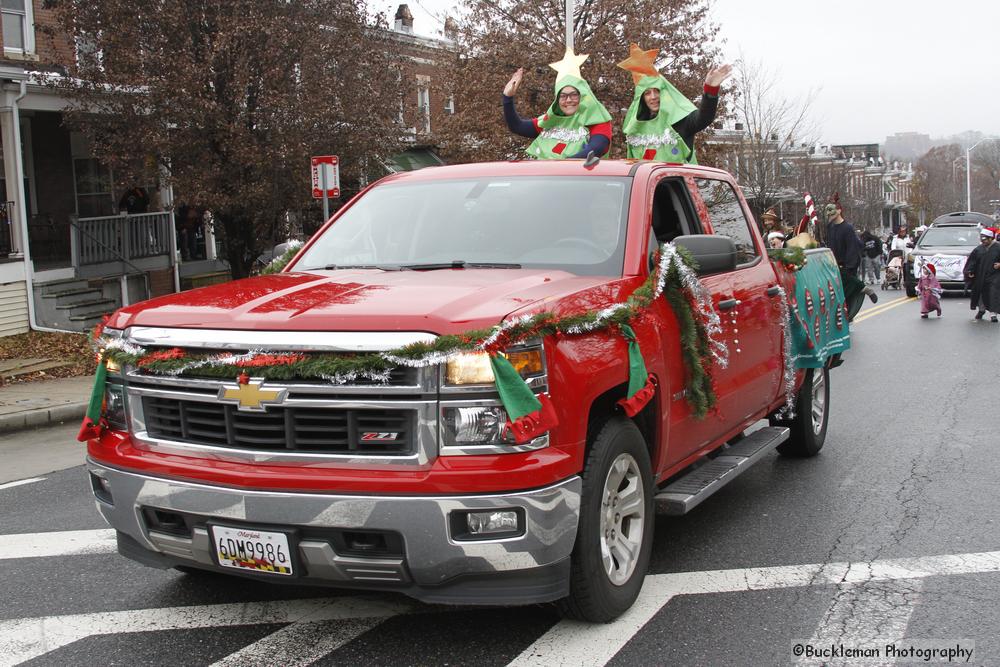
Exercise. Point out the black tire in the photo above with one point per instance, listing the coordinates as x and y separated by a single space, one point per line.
812 415
594 595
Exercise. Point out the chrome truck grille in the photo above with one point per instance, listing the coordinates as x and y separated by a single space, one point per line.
323 430
313 422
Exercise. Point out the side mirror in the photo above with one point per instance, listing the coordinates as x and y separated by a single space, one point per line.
714 254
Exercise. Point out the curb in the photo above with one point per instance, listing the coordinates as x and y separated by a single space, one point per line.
26 419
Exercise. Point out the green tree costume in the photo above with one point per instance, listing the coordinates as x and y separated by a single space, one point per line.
657 133
569 132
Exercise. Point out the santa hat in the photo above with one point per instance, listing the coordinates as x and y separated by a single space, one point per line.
932 269
775 235
988 231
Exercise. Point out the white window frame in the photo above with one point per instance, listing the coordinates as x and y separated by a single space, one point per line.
424 100
28 30
449 105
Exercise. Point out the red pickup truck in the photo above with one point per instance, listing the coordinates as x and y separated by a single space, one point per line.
407 479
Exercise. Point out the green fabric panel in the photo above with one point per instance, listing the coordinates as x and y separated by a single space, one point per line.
637 373
516 396
97 393
816 335
673 107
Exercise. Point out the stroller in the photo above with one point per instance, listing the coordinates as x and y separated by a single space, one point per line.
893 276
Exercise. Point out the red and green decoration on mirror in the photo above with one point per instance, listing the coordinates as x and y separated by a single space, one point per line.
673 278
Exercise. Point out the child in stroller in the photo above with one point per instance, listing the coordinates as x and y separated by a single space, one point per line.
893 276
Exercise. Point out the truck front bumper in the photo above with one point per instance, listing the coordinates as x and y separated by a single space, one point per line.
430 562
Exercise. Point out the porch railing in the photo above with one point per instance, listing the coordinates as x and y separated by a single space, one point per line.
6 229
116 238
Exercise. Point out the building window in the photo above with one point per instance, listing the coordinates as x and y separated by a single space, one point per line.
449 105
93 188
424 103
18 26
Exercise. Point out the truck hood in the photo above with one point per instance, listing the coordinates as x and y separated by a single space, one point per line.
441 302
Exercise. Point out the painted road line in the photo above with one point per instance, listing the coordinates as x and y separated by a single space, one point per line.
27 638
868 615
21 482
883 305
62 543
300 644
878 311
571 643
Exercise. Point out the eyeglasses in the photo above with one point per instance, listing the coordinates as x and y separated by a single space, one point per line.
568 96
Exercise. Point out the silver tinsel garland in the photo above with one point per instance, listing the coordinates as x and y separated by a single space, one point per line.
668 138
564 134
668 255
787 412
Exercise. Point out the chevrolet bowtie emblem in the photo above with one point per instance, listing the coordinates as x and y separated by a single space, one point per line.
251 395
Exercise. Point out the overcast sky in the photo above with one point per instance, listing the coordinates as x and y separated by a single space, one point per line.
877 66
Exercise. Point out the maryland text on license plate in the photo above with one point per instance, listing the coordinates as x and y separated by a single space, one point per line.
254 550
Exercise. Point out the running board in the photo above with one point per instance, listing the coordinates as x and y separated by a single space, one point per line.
686 493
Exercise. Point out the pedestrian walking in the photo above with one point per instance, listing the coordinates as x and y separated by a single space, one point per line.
871 259
982 274
929 290
846 246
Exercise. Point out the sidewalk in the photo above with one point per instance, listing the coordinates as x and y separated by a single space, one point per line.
31 404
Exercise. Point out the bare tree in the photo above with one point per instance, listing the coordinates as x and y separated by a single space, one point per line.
939 182
772 124
233 96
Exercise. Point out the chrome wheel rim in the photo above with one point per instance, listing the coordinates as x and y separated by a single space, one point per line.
818 400
623 510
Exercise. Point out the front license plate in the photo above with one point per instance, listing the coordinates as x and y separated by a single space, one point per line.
254 550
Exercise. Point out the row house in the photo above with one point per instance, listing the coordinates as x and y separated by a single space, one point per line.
70 250
874 193
73 245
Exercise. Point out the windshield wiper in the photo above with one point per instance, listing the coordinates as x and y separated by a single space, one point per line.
334 267
459 264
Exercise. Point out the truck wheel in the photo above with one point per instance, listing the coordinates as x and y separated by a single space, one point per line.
615 536
808 428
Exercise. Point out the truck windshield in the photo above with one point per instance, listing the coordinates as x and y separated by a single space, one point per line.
950 236
574 224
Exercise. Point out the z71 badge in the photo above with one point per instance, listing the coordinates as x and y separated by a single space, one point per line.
373 436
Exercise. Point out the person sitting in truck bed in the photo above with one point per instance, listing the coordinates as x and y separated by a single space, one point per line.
575 124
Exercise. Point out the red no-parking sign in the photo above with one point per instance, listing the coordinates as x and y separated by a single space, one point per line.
325 172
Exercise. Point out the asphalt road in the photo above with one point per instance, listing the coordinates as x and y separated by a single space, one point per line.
890 534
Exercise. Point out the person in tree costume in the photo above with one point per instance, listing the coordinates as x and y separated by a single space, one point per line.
575 124
661 123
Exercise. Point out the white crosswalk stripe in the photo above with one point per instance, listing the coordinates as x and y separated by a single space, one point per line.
59 543
315 628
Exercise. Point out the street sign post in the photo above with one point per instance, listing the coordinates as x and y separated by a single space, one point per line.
325 180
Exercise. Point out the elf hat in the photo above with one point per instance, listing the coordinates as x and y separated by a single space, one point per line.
769 214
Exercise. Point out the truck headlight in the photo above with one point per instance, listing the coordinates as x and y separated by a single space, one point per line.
474 368
114 406
478 425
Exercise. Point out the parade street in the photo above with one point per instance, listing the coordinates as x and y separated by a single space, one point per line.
887 535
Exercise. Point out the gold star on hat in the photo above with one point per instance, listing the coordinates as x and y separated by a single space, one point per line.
569 65
640 62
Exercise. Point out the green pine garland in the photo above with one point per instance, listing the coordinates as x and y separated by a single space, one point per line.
790 256
340 368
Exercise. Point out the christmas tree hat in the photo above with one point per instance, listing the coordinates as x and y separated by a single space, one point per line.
562 135
654 138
